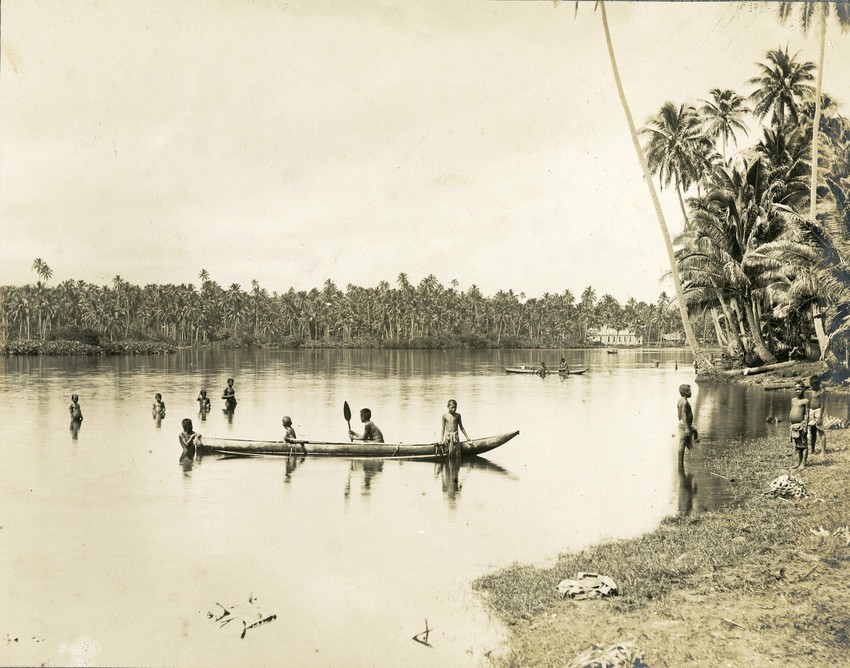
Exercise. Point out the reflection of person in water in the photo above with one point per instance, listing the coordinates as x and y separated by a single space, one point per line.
449 472
370 468
687 490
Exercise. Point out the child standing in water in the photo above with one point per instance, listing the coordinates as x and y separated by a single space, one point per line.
449 433
229 396
189 439
74 409
158 404
798 416
203 401
687 431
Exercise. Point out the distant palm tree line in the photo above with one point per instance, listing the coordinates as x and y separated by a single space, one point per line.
427 314
772 269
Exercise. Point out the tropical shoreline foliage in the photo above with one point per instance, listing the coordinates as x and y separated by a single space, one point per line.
127 318
772 278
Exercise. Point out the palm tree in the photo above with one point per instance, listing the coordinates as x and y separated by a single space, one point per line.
40 267
807 10
722 115
677 149
781 86
700 359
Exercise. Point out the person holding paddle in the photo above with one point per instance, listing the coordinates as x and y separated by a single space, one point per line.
370 429
451 423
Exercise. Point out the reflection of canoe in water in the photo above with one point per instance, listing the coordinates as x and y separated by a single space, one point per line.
535 370
422 452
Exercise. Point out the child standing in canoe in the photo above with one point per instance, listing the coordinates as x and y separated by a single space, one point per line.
452 422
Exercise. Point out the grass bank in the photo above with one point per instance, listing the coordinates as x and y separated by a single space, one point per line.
751 584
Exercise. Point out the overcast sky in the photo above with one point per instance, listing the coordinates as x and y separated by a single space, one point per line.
291 142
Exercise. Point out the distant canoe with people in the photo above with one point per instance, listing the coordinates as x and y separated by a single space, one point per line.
528 369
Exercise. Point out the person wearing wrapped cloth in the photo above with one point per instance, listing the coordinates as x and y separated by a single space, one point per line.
687 431
798 416
449 438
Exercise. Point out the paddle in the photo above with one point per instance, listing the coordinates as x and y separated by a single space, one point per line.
346 413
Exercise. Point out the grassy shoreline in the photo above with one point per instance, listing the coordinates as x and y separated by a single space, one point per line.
750 584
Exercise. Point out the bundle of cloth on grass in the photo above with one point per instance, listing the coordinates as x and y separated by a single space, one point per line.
588 585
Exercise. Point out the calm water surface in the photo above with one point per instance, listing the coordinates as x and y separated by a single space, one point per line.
114 553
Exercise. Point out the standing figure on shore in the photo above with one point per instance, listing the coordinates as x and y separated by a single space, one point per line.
687 431
799 419
203 401
158 405
370 429
817 407
74 409
229 396
449 437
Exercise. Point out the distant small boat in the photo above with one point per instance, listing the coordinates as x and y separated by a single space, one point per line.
536 370
612 351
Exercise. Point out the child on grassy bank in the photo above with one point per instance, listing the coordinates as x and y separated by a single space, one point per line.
798 416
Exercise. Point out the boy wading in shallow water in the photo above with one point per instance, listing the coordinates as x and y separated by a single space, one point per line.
74 409
189 439
687 432
798 416
451 423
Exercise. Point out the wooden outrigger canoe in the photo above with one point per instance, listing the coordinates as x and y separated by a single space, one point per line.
535 370
421 452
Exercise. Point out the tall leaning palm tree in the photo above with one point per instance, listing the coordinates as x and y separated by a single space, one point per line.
677 148
722 115
699 357
808 10
782 84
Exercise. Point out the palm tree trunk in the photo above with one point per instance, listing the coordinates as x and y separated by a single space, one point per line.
755 332
817 321
702 362
718 331
682 205
813 188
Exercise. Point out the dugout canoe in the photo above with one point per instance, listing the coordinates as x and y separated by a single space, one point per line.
535 370
421 452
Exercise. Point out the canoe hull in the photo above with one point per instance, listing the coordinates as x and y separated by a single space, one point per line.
357 449
520 369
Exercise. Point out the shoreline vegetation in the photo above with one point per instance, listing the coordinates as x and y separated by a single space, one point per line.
761 581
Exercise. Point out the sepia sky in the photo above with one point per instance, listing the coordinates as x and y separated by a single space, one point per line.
291 142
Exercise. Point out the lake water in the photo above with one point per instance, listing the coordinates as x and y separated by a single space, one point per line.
114 553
